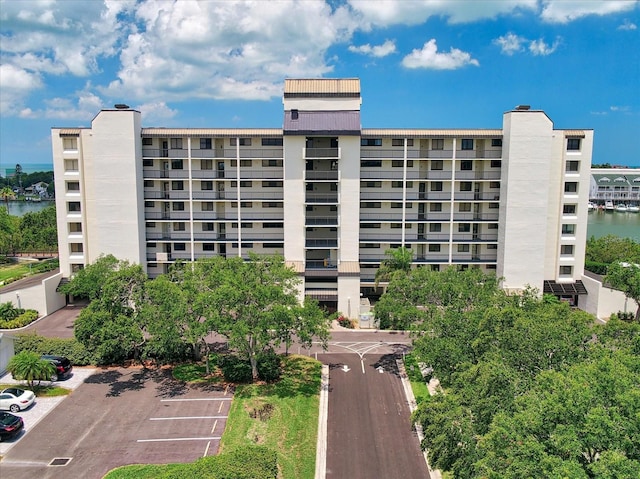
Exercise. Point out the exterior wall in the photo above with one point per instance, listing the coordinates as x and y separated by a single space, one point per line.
322 104
294 192
7 351
525 197
42 297
602 302
349 296
349 208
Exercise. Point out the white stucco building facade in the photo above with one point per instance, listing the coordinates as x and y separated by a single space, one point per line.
329 195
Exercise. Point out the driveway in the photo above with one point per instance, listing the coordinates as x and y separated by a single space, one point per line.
121 416
369 430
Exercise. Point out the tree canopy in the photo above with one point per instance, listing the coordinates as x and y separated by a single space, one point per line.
626 278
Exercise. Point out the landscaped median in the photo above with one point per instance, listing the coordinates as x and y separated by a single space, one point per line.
271 432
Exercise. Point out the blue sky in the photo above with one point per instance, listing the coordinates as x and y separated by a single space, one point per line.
422 64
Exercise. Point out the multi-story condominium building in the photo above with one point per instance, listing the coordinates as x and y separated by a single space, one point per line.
617 185
329 195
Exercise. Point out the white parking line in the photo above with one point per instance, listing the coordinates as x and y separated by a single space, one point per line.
215 423
186 417
210 438
196 399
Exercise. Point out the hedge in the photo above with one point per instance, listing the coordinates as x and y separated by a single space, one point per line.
24 319
69 348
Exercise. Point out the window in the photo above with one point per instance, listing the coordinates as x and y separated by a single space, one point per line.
177 185
272 184
176 164
494 206
246 204
149 204
566 270
434 248
76 247
496 163
495 185
208 247
148 183
178 226
395 226
206 185
272 163
147 141
207 206
243 163
208 227
396 184
437 165
370 245
396 205
271 204
243 141
400 163
466 165
435 227
70 165
73 186
492 246
496 141
73 207
467 144
178 206
205 143
437 144
179 247
70 143
492 226
400 142
371 142
371 163
569 209
147 162
571 187
572 166
436 186
464 227
272 225
176 143
435 207
273 245
295 114
206 164
370 226
76 267
463 248
465 186
464 207
272 142
573 144
151 224
566 250
568 229
370 204
371 184
75 227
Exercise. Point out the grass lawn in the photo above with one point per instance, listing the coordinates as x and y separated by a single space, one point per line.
10 271
281 417
39 391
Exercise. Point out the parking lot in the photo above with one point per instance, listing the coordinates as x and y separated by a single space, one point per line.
121 416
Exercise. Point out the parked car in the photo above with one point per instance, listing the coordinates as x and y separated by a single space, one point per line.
10 425
16 399
62 364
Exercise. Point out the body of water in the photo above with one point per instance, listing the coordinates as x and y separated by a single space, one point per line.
625 225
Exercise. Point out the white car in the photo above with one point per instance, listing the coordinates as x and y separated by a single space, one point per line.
16 399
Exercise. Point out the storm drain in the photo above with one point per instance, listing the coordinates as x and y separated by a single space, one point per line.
60 461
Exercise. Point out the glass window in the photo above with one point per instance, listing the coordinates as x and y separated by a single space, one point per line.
467 144
147 162
435 207
176 143
568 229
573 144
436 186
243 141
70 143
208 247
570 187
177 185
73 207
371 142
569 209
464 207
496 163
496 142
147 141
70 165
176 164
464 227
466 165
437 165
400 163
465 186
572 166
566 270
205 143
435 227
178 226
437 144
179 247
371 163
178 206
73 186
400 142
463 248
76 247
566 250
272 142
434 248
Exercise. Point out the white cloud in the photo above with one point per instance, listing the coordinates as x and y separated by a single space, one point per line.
564 11
17 84
624 108
392 12
379 51
627 25
428 57
541 48
510 43
155 111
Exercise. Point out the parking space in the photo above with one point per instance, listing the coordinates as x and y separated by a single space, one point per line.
122 416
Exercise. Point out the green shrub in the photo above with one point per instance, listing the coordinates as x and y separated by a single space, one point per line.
9 312
69 348
26 318
235 369
269 366
596 267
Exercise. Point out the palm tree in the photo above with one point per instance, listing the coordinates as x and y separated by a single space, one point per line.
398 259
19 175
28 366
7 194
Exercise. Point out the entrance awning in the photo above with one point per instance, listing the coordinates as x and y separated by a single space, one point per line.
564 289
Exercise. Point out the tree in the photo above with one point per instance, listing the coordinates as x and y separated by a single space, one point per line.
603 251
28 366
254 303
19 175
398 259
7 194
626 278
89 282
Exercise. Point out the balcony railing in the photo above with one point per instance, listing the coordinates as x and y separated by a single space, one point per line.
226 153
477 175
471 196
321 221
321 243
310 153
320 264
321 198
329 175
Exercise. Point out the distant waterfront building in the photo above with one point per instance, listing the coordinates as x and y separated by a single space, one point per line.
329 195
618 185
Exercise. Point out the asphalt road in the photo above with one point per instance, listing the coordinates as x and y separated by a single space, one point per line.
369 428
117 417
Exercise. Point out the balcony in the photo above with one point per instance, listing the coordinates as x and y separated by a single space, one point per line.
319 198
321 221
321 175
166 195
313 153
475 238
170 174
166 215
477 154
218 153
321 243
478 175
476 196
474 258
